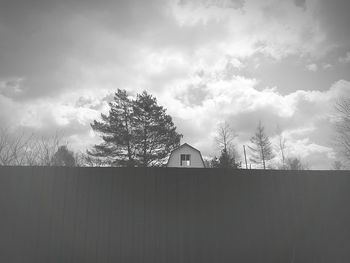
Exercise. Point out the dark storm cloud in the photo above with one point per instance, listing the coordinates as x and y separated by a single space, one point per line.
300 3
41 41
335 19
39 38
31 46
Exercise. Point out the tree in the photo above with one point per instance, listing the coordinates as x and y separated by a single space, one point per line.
63 157
294 164
14 147
44 148
155 132
262 148
227 160
225 136
343 127
20 148
228 153
337 165
116 132
86 160
136 132
214 163
282 147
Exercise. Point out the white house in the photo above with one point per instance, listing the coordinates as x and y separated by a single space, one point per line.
186 156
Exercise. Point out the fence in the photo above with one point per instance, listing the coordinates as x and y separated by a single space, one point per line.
173 215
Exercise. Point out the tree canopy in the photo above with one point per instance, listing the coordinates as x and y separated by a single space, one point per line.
63 157
226 160
294 163
136 132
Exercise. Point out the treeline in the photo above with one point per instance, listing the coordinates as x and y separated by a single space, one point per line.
259 152
20 149
137 132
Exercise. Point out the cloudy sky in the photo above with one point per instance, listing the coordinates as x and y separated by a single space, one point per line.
283 62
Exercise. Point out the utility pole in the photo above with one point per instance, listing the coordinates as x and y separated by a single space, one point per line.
245 158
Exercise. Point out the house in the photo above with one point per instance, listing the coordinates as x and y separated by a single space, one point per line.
186 156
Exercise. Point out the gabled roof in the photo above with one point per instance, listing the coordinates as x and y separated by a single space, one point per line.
183 145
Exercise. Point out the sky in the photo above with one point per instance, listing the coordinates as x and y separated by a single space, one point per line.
281 62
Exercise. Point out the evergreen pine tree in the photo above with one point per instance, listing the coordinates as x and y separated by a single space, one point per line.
117 132
63 157
137 132
227 160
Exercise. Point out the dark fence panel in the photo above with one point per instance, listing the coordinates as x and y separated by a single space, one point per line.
173 215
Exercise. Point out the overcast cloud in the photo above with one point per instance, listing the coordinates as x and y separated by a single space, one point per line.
206 61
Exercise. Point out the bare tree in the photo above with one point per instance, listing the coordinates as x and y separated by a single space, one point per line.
14 147
282 146
18 148
337 165
262 148
6 143
343 127
225 136
46 147
224 140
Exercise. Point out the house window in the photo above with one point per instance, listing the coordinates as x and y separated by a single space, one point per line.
185 160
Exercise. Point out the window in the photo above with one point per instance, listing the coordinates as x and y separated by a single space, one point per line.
185 160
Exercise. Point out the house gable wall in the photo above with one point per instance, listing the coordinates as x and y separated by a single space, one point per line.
196 158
